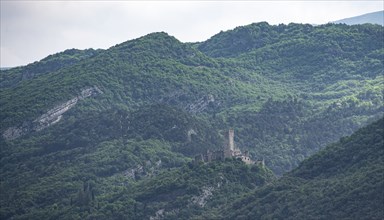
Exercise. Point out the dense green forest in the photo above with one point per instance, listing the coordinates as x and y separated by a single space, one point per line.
96 134
343 181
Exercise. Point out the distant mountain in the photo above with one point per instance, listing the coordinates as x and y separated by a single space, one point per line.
110 134
372 18
343 181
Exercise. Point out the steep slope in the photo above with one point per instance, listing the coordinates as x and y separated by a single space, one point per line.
156 68
302 51
372 18
329 85
119 81
187 192
94 129
108 150
343 181
67 58
308 77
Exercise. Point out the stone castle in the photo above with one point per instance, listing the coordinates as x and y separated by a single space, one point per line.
229 150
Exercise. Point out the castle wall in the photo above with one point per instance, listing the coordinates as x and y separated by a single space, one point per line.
229 150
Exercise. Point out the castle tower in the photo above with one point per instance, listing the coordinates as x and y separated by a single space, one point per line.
231 143
230 149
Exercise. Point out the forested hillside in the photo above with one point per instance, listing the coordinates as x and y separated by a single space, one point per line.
49 64
328 90
82 126
343 181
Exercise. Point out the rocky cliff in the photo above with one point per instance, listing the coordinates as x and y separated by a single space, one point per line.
51 117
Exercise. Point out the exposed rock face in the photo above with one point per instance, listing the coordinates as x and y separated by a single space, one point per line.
54 115
201 104
179 98
149 169
15 132
158 215
51 117
134 172
201 199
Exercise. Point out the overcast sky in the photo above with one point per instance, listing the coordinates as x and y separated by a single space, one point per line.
31 30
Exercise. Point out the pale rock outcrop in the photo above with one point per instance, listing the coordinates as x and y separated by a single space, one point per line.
134 172
201 104
201 199
51 117
158 215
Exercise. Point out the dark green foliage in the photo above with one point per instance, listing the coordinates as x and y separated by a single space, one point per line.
49 64
287 90
149 122
240 40
342 181
318 54
176 192
294 122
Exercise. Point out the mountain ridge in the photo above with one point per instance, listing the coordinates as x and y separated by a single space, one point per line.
163 101
207 85
373 18
48 64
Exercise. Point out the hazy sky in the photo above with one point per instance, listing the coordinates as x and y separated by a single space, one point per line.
31 30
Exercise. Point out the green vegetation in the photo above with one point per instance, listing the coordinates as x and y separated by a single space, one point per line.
49 64
287 90
113 182
343 181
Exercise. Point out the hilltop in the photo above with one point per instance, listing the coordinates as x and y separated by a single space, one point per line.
83 130
372 18
310 77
